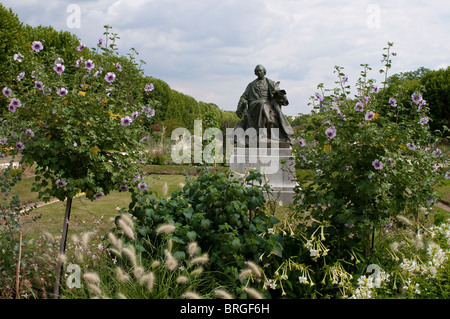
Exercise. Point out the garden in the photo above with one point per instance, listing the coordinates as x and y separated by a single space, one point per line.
96 210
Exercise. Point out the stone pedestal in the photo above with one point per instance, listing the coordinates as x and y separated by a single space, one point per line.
275 162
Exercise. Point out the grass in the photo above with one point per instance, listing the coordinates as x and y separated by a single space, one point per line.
86 213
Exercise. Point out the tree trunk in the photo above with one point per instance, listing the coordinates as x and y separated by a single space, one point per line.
62 246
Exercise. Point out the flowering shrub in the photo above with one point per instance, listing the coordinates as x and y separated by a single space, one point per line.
368 167
79 121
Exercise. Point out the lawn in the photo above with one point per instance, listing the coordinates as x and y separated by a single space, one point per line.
86 214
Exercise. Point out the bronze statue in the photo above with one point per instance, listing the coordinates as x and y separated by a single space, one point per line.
260 105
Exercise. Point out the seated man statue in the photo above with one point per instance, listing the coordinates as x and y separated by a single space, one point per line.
261 106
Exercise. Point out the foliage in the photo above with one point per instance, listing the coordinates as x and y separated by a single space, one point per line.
78 120
218 212
368 167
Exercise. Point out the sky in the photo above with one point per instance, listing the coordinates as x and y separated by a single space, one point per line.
208 49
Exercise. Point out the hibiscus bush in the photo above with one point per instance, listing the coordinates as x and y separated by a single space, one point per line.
79 122
372 160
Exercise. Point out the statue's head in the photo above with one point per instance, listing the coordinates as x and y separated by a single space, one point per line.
260 71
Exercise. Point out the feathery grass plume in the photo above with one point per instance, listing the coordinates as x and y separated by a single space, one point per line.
222 294
255 268
192 249
127 219
138 271
95 289
191 295
200 260
127 230
79 257
85 239
245 273
171 262
165 189
75 238
121 275
404 220
165 229
92 277
48 235
253 293
155 264
115 241
62 258
182 279
130 253
121 296
148 279
197 271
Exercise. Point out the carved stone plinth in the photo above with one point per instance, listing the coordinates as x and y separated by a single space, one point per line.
275 162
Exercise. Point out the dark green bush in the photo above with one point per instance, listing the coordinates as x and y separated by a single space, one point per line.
224 215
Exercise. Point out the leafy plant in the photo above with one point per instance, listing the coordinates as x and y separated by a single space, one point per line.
225 217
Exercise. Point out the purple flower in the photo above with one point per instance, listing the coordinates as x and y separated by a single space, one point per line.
15 103
100 42
18 57
149 87
377 164
98 195
344 79
38 85
60 183
89 64
59 68
29 132
392 101
142 186
6 91
126 121
369 116
78 63
416 98
319 96
119 67
123 188
20 76
421 104
110 77
37 46
20 145
437 152
135 115
423 120
3 140
62 92
447 175
330 132
81 47
302 142
359 106
375 89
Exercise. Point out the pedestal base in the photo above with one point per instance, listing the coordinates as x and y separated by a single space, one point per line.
277 165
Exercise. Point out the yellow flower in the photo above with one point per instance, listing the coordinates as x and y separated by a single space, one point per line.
95 149
88 123
85 86
49 137
82 93
327 148
376 116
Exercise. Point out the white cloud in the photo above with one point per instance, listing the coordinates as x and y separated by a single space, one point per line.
209 48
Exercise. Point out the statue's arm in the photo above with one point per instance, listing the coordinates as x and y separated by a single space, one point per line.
243 103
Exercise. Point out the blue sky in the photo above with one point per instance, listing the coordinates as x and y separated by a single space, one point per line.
208 48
